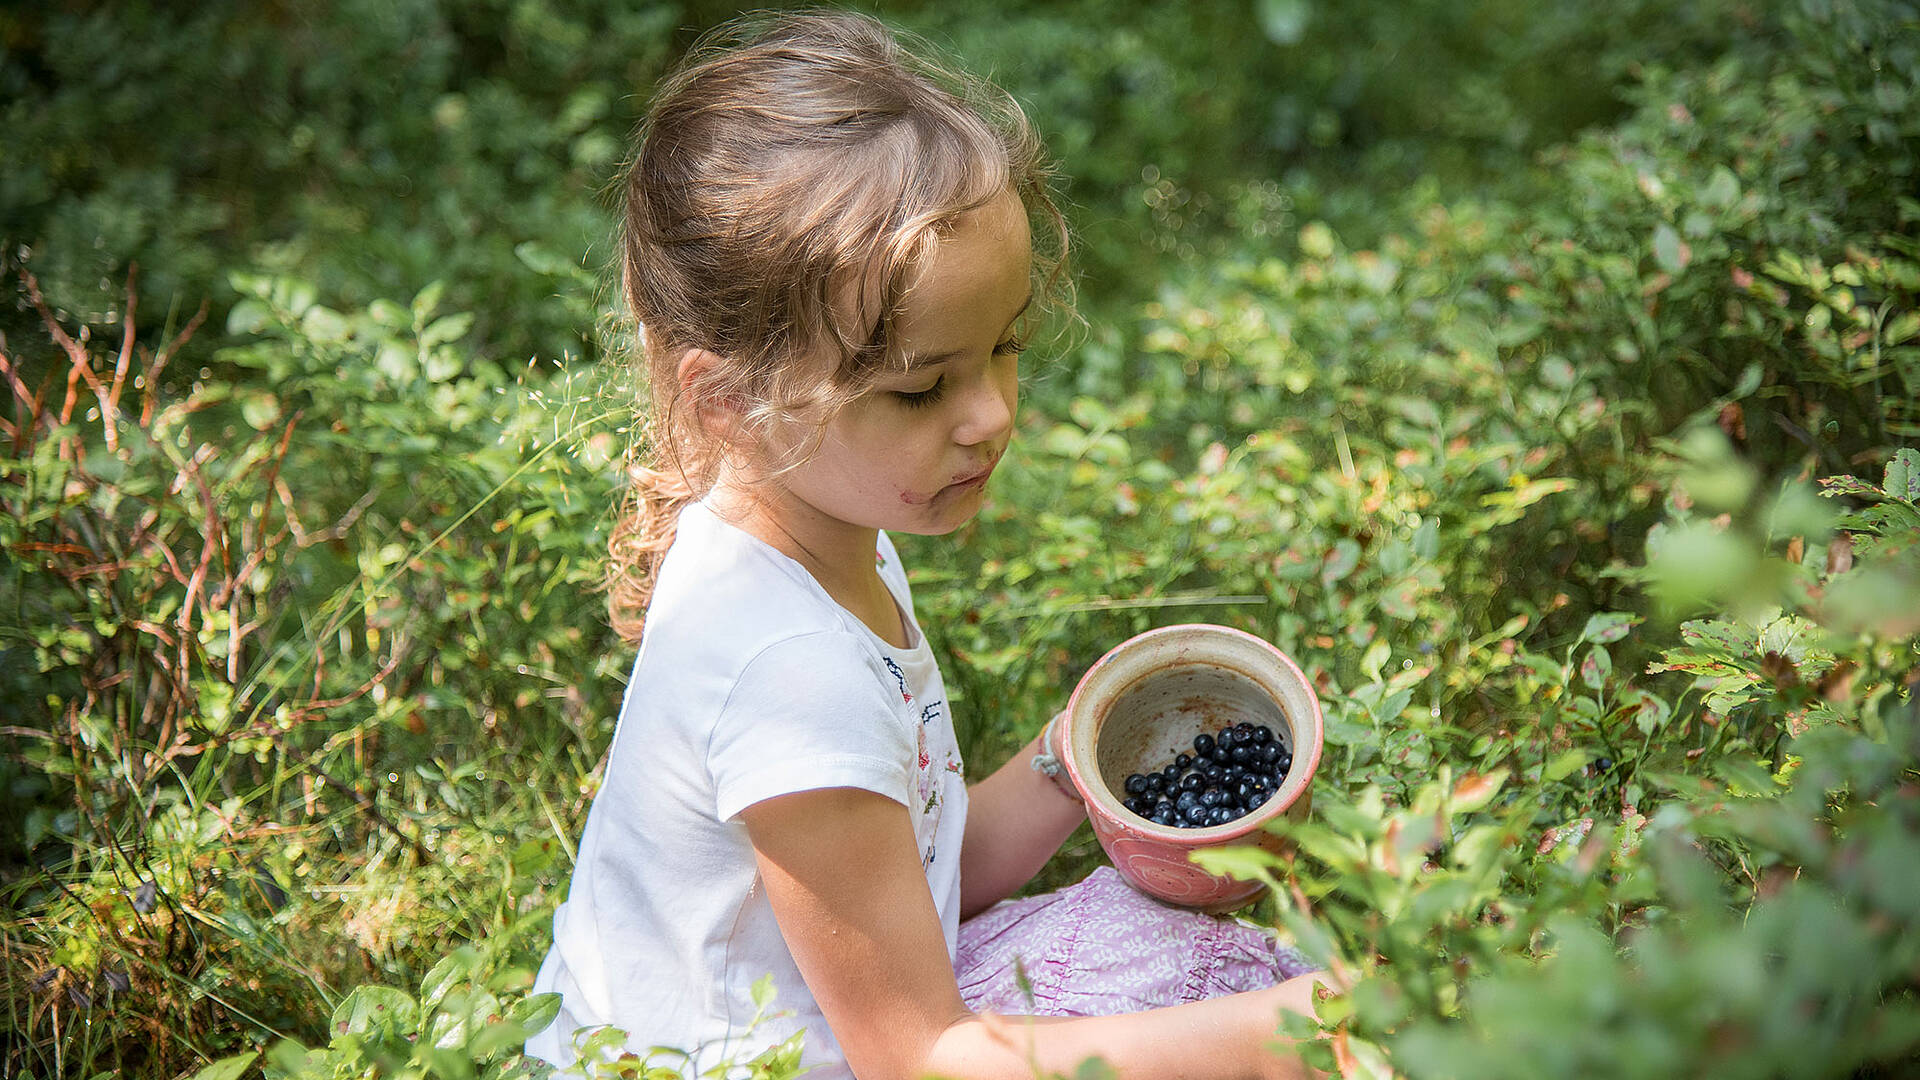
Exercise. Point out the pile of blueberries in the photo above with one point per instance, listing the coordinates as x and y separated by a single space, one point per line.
1228 774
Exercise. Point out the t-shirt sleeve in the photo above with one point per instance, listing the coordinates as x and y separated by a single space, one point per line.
809 712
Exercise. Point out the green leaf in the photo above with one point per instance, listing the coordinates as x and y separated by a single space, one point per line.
534 1013
1902 478
1722 189
259 409
1528 493
323 324
1375 658
1243 861
427 299
446 328
1596 667
1095 1068
291 1057
461 1016
227 1068
1476 790
1669 251
452 968
1340 561
1607 627
368 1006
1316 240
1564 764
1745 775
442 364
248 317
1284 21
540 259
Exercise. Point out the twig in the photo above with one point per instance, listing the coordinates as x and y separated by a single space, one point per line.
110 400
151 394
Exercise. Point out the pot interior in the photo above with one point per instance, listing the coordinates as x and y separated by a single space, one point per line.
1158 715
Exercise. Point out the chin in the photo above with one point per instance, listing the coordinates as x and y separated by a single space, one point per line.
941 520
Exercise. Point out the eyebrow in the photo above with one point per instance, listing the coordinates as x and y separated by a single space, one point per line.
936 359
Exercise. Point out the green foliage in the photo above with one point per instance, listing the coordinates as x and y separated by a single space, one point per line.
1542 380
369 147
256 630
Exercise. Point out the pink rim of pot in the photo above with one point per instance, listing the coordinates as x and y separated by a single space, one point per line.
1094 791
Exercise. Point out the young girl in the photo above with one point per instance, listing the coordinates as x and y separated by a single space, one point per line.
828 249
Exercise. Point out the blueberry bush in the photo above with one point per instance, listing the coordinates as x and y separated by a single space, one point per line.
1562 428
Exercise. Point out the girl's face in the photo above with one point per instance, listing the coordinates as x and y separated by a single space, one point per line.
913 454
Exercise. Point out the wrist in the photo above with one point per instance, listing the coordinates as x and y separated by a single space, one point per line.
1049 758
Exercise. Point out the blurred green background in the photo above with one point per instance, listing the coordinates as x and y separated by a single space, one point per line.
1542 376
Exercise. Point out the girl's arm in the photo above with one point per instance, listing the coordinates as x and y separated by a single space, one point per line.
1016 819
843 876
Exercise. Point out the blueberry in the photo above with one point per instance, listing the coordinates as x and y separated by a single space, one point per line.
1198 815
1136 784
1270 752
1203 745
1170 776
1243 731
1181 761
1187 801
1156 783
1193 781
1226 739
1243 791
1220 816
1258 799
1163 808
1262 735
1242 754
1168 818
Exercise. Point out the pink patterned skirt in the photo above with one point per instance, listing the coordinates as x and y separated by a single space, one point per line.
1100 948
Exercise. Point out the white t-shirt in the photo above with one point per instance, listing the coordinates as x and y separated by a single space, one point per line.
751 682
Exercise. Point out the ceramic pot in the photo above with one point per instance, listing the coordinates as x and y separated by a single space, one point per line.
1142 703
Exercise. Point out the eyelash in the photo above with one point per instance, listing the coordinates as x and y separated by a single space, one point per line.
921 399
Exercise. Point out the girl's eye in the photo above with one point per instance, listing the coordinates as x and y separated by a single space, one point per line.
1011 347
920 399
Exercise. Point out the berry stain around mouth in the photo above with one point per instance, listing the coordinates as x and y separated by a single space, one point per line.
965 483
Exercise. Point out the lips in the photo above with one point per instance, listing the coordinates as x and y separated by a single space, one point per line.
978 476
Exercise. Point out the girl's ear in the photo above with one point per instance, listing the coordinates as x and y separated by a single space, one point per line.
720 415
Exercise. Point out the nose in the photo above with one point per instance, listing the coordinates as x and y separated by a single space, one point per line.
987 410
